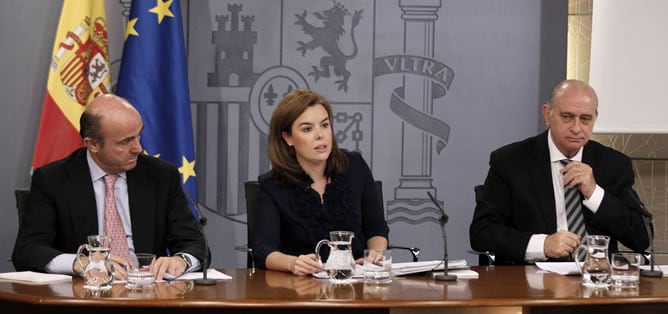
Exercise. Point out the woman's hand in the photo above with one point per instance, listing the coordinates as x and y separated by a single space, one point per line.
306 265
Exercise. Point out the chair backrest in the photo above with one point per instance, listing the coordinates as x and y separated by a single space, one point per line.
484 258
251 190
21 202
478 189
379 189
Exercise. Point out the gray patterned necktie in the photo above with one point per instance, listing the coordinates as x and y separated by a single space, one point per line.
573 204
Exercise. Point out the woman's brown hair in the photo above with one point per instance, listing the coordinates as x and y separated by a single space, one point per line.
282 155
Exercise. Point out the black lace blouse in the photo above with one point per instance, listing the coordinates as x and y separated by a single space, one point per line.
291 219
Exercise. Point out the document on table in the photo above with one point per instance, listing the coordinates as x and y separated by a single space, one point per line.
464 273
407 268
31 277
562 268
210 274
399 269
663 268
570 268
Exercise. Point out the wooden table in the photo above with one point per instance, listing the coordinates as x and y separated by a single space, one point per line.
501 289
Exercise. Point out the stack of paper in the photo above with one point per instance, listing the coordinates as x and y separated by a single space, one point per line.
663 268
570 268
210 274
457 267
34 277
464 273
561 268
408 268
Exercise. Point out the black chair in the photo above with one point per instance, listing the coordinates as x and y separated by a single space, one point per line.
21 202
484 258
21 196
252 188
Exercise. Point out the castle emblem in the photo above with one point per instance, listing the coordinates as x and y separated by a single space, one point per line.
234 49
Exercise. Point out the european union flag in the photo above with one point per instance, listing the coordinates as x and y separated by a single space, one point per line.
154 78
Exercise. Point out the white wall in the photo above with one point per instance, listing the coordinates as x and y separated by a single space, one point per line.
629 63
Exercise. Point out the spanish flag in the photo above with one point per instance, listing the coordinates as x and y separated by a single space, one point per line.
78 71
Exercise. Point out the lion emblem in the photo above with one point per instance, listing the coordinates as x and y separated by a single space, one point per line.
327 37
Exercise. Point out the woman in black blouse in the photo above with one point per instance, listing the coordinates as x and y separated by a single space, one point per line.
314 187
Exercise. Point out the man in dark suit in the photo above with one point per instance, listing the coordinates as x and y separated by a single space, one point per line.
66 202
521 214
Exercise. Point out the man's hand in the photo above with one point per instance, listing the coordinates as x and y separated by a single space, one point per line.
120 266
580 175
560 244
173 265
306 265
77 267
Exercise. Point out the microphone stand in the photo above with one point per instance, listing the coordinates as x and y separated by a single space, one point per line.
201 222
442 221
651 272
647 219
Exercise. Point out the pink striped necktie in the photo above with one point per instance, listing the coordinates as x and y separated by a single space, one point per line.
113 225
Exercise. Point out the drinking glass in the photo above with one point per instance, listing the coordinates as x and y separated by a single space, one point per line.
141 273
625 270
377 266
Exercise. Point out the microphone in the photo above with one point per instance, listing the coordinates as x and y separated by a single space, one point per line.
443 220
201 222
647 218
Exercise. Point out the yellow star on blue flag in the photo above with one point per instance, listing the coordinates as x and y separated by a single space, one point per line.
154 78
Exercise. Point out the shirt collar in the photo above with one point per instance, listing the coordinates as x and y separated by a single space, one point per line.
96 173
555 154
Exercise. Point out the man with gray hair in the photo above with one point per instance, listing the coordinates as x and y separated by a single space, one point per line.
543 194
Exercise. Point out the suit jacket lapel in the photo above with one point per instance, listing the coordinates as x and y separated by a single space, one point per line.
143 213
541 175
590 158
589 155
80 197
